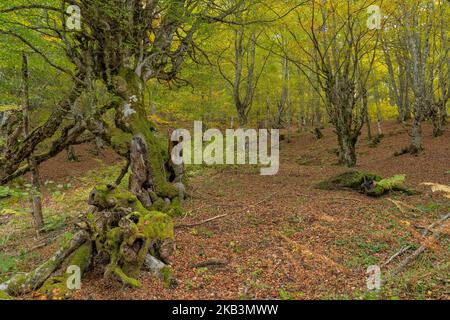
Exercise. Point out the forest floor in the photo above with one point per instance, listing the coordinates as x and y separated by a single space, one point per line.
280 238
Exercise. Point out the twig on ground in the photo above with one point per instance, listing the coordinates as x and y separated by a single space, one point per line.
201 222
397 254
208 263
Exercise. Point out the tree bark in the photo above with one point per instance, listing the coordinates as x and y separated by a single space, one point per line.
35 192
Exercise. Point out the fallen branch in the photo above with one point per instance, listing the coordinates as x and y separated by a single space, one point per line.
397 254
208 263
201 222
436 235
196 224
25 283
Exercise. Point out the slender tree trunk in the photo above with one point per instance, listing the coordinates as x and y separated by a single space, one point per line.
379 116
416 134
71 154
366 114
289 120
35 193
243 105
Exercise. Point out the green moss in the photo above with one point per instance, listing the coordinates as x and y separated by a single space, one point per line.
352 180
108 198
374 185
143 227
124 278
120 140
159 205
168 277
27 282
175 209
56 287
82 257
4 296
128 85
395 183
17 284
156 225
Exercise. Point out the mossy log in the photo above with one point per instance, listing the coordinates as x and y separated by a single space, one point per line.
28 282
395 183
348 180
57 286
368 183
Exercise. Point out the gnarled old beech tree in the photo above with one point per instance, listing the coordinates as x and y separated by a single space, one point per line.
120 45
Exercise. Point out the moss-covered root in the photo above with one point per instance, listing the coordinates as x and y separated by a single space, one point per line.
352 180
138 234
111 198
60 287
28 282
125 279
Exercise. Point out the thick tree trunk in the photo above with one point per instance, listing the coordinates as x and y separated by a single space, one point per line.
135 126
347 152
